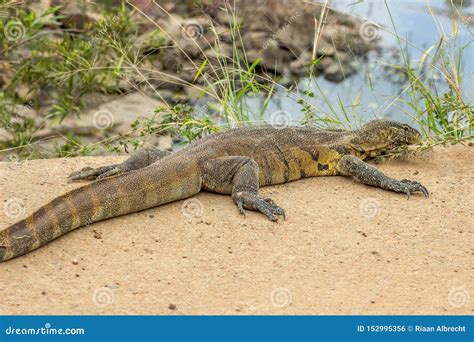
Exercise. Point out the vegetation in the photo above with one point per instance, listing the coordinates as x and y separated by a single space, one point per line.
51 70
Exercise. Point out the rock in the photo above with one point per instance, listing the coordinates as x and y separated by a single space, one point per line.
325 62
26 93
281 33
172 60
107 116
120 112
150 41
325 49
76 14
336 72
300 66
6 73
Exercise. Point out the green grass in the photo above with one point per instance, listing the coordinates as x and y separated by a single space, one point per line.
63 68
446 115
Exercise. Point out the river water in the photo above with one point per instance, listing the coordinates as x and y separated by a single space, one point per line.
376 87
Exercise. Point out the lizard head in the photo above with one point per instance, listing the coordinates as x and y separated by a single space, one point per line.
379 136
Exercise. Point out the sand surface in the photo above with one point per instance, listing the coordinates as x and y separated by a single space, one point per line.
345 248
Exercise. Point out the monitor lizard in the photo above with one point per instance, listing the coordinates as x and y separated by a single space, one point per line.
235 162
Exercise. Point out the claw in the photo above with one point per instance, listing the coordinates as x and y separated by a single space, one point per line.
272 217
265 205
275 208
240 206
113 172
269 201
410 187
424 191
80 174
89 173
280 211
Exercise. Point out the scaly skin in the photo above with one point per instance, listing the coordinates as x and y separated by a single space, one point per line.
236 162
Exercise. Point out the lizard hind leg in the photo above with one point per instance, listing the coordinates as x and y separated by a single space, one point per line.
138 160
238 176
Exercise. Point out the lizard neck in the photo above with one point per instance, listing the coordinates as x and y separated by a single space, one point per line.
364 148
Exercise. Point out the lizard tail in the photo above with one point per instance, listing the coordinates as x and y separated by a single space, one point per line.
138 190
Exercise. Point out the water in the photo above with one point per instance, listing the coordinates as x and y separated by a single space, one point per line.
418 30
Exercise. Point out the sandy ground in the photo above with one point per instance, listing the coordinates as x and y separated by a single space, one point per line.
345 248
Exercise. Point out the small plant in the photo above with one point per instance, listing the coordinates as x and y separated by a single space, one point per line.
180 120
60 68
63 66
442 115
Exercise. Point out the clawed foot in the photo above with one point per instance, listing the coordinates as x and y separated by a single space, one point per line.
138 160
257 203
410 187
89 173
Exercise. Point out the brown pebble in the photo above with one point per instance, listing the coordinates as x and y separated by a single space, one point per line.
172 307
75 262
416 172
43 293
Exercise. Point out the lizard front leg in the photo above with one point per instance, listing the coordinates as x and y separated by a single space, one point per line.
350 165
138 160
238 176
